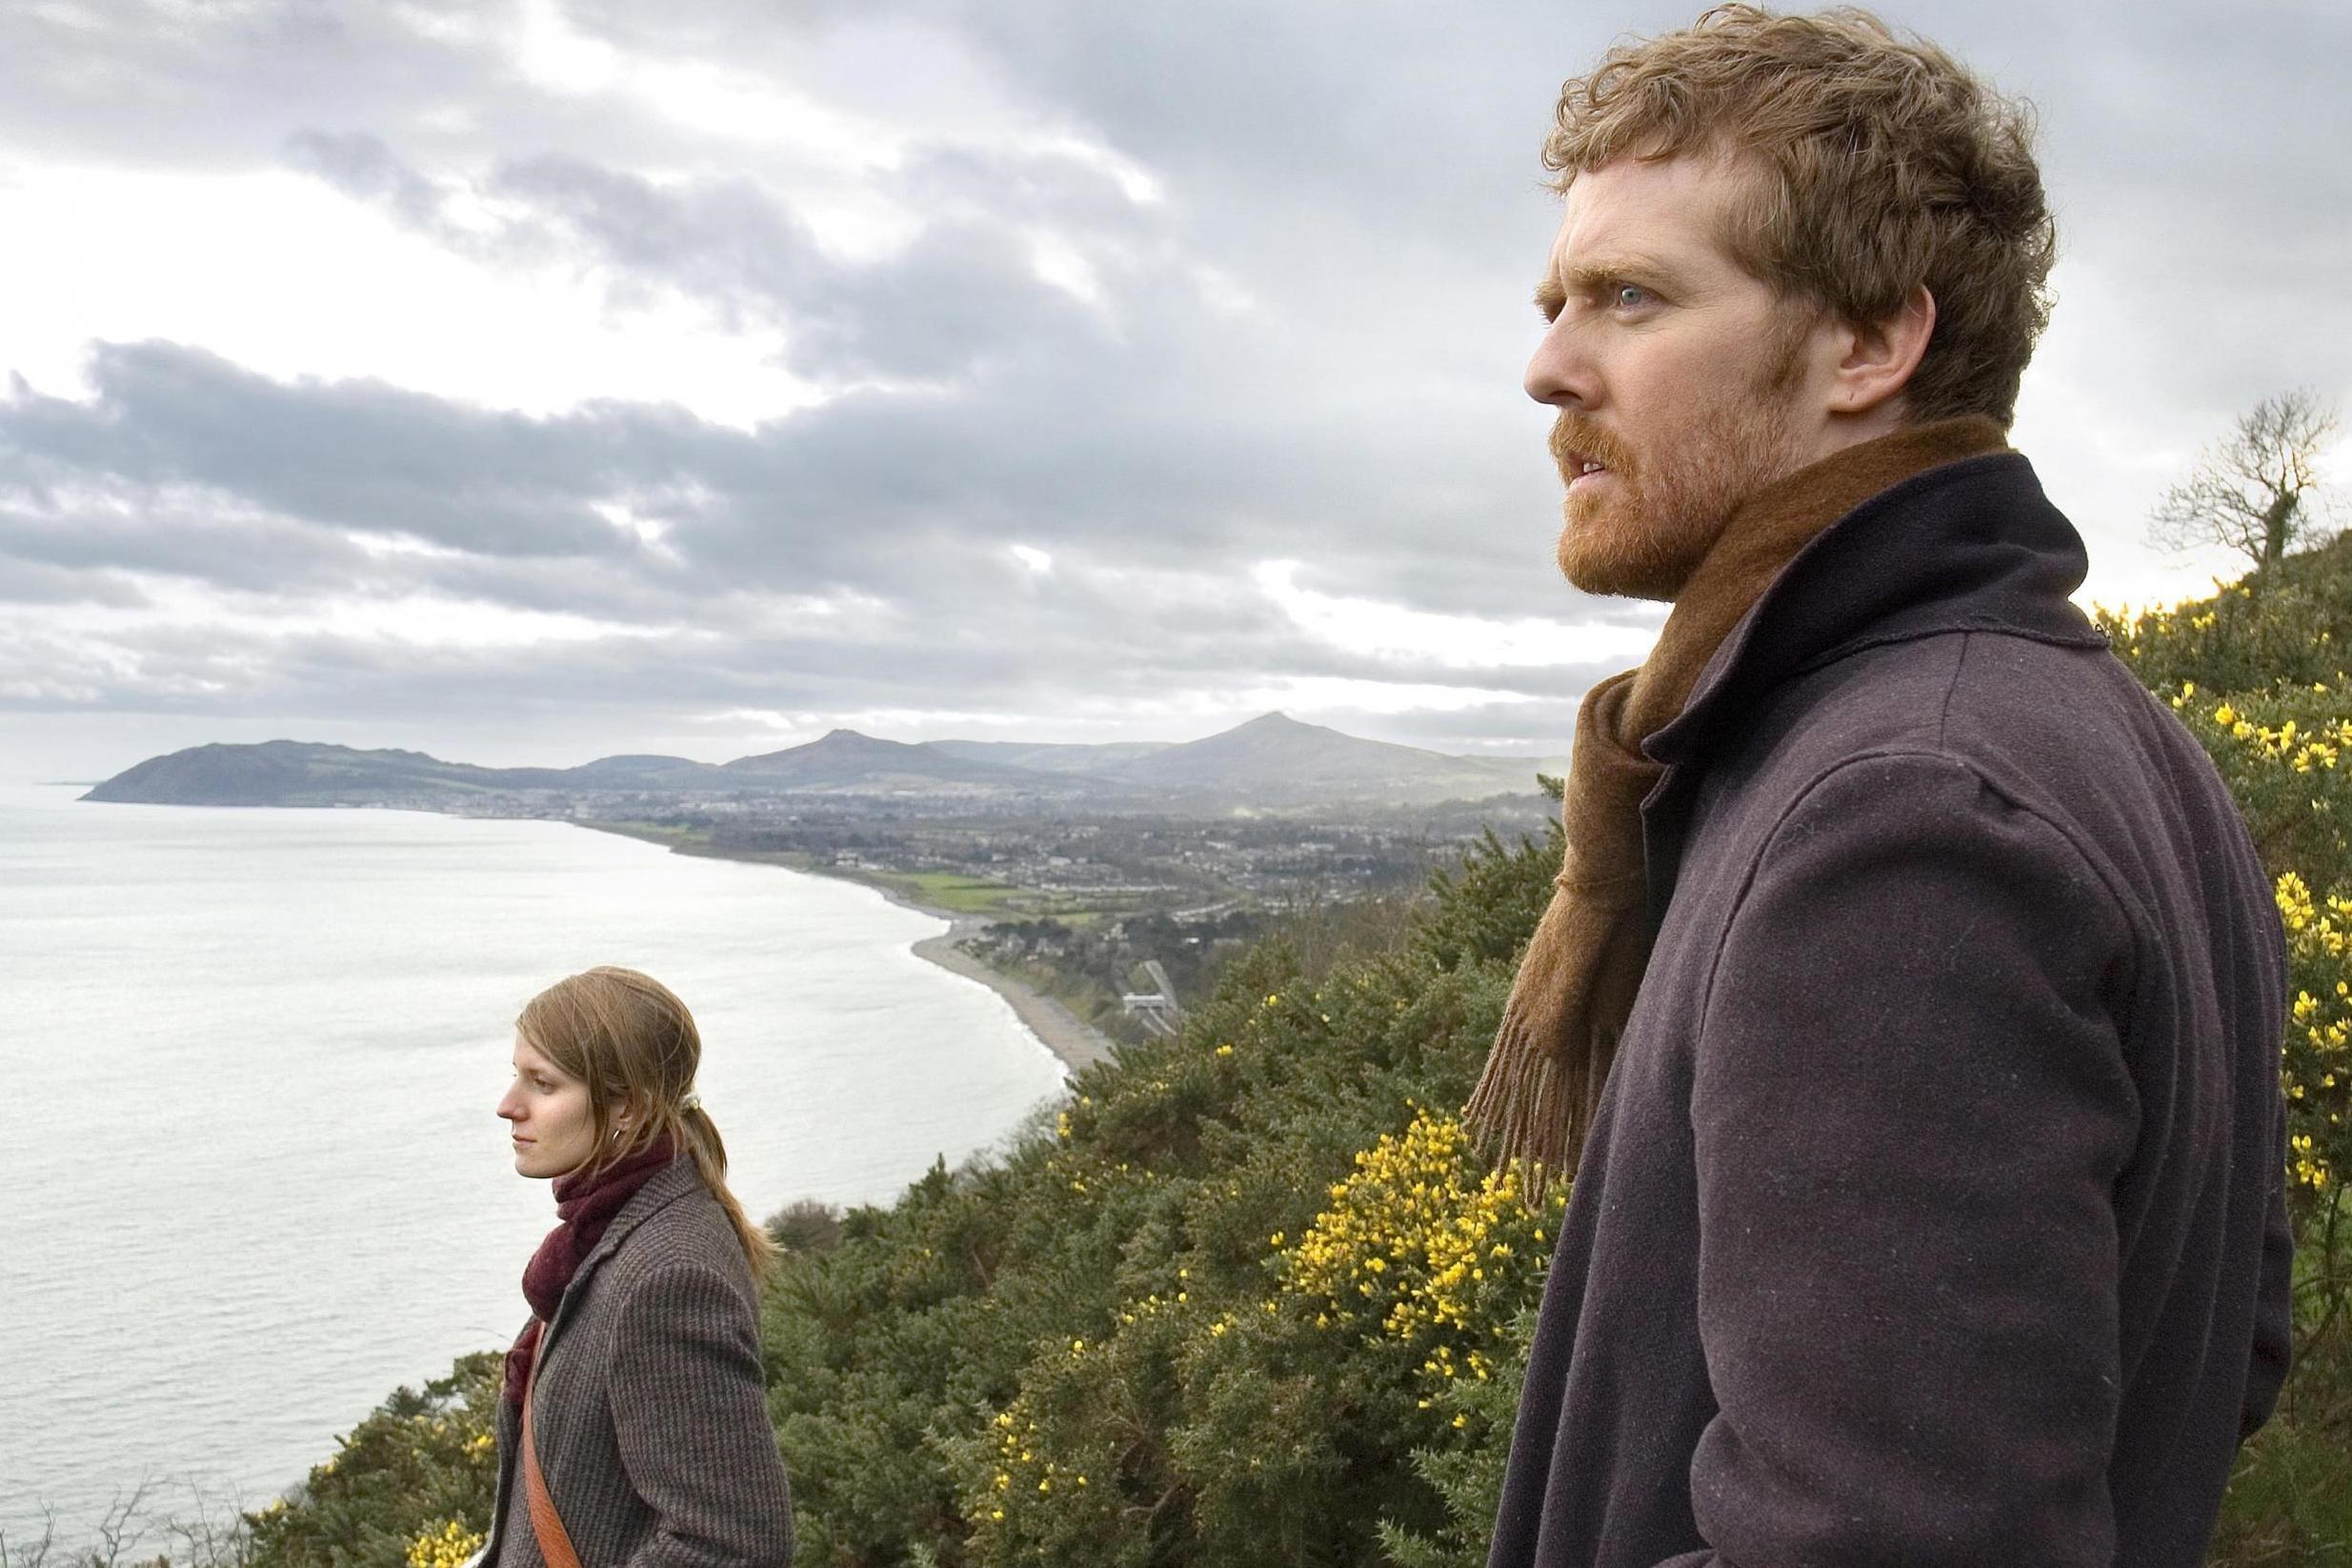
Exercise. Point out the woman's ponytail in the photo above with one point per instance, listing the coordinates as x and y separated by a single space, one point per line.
698 1135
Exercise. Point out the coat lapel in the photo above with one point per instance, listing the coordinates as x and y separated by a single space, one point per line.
661 1189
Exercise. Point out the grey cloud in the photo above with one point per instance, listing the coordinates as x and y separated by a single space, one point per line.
162 85
364 168
1363 173
828 501
137 529
862 492
964 293
356 455
39 582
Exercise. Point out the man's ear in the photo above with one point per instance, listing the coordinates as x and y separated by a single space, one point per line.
1879 358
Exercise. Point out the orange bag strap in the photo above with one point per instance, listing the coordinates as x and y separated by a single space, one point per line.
544 1523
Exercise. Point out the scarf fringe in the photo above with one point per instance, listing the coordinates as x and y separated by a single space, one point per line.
1522 1113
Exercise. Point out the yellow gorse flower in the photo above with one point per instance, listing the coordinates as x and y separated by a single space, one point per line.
1415 1242
2317 1071
448 1546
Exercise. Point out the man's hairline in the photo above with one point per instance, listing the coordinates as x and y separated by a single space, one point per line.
1712 147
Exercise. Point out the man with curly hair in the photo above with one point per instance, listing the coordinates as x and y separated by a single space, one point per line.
1909 1008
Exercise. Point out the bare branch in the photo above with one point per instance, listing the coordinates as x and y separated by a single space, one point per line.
2256 489
214 1534
33 1554
121 1526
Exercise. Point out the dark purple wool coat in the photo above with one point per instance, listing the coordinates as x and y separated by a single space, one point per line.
1933 1210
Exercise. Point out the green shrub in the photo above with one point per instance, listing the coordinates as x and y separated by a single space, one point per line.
2258 674
410 1487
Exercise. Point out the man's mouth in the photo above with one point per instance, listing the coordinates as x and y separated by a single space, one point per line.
1581 464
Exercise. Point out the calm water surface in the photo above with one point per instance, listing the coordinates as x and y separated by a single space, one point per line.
250 1180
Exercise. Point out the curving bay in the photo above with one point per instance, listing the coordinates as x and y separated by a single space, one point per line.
247 1059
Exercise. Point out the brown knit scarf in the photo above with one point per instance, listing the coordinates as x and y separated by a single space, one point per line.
1575 987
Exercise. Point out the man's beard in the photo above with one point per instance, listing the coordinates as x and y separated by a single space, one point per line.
1645 537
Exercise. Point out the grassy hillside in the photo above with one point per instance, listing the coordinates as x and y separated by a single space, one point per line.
1248 1299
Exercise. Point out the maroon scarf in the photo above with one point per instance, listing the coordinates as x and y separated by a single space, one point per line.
586 1206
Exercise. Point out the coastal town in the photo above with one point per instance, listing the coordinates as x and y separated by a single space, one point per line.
1097 888
1118 919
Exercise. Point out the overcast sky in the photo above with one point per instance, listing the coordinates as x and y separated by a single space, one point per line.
530 380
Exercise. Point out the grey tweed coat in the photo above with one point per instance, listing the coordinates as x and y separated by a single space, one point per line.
650 1413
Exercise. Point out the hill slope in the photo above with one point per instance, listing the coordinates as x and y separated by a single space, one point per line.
298 773
1269 761
1277 758
1046 757
844 759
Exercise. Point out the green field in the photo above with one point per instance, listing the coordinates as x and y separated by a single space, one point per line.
955 892
962 894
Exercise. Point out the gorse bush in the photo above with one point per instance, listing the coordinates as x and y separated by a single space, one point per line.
2258 673
1401 1257
2290 625
452 1546
408 1488
2318 1071
1213 1312
1250 1298
2286 753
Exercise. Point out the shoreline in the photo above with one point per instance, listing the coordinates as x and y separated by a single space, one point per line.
1073 1041
1068 1038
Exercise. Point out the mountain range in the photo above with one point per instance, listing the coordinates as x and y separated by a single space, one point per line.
1271 761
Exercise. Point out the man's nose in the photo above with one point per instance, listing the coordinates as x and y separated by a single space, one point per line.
1561 371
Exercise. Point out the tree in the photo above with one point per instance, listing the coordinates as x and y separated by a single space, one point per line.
2254 489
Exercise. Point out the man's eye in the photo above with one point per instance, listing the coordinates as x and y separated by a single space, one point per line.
1631 296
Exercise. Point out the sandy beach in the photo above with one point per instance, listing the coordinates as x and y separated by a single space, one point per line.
1076 1042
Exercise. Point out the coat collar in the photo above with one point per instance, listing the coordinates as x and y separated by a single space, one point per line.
1969 546
662 1188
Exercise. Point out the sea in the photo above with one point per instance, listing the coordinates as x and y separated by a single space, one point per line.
250 1180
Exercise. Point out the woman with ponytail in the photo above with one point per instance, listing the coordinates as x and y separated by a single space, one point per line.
634 1428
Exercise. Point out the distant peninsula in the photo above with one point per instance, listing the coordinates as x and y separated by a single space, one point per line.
1273 763
1094 887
